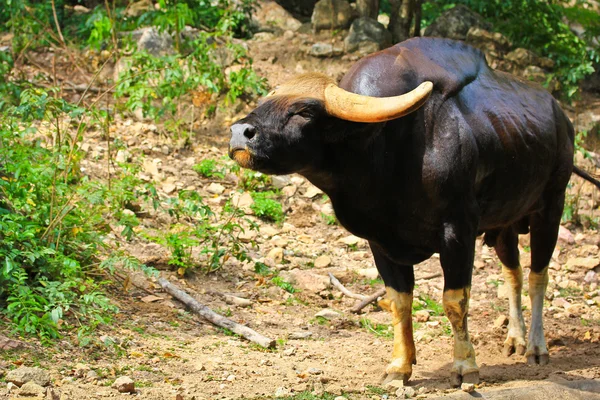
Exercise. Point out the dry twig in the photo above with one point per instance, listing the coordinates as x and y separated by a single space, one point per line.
363 303
213 317
337 284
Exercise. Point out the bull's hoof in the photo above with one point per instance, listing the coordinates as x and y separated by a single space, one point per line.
457 379
538 359
395 376
510 349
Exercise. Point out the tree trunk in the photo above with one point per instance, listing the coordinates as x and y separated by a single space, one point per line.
401 16
368 8
418 11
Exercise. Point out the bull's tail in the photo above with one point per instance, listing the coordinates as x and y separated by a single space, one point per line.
578 171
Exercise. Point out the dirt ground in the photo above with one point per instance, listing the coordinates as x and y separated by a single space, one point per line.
172 354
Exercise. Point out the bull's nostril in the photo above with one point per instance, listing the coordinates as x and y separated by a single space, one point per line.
249 132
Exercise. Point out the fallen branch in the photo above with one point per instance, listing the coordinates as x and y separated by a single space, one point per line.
337 284
358 307
231 298
426 277
213 317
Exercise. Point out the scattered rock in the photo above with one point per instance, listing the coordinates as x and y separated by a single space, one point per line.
467 387
270 15
280 181
289 190
154 42
169 188
80 370
242 201
289 352
283 392
455 23
10 344
394 385
500 322
268 230
23 375
331 14
590 277
299 335
276 255
322 262
215 188
350 240
585 262
369 273
565 235
314 371
405 392
32 389
486 40
306 280
150 299
422 316
10 387
324 50
122 156
312 191
124 384
523 58
328 314
367 30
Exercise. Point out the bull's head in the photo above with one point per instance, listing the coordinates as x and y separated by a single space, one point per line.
280 136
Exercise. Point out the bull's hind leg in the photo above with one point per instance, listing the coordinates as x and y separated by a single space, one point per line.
507 249
399 283
456 257
544 227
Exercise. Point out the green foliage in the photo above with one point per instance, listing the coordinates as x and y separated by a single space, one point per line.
329 219
210 168
540 26
51 228
382 330
425 302
255 181
266 208
263 270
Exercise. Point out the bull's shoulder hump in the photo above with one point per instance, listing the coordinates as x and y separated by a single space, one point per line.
449 64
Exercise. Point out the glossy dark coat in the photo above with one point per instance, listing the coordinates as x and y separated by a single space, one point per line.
487 153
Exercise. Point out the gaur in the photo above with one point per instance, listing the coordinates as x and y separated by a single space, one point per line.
421 148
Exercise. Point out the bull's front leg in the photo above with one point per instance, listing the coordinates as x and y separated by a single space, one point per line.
456 256
399 282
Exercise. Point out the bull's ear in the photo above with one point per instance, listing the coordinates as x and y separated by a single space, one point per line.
308 108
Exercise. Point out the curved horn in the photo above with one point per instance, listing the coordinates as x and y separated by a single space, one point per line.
358 108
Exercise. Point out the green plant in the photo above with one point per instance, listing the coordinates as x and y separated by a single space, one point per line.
210 168
329 219
254 181
427 303
382 330
540 26
288 287
266 208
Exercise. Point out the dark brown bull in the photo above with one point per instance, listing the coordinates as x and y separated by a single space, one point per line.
421 148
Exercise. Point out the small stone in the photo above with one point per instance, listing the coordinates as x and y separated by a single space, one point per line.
315 371
288 35
32 389
584 262
349 240
268 230
500 322
289 190
503 291
289 352
247 236
282 392
122 156
405 392
230 378
467 387
280 181
80 370
394 384
422 316
215 188
590 277
124 384
10 386
299 335
322 261
276 255
92 376
312 191
169 188
23 375
369 273
328 314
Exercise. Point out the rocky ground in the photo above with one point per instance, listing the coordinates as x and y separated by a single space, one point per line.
156 349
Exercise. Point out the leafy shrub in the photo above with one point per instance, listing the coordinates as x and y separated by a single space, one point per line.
210 168
540 26
266 208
